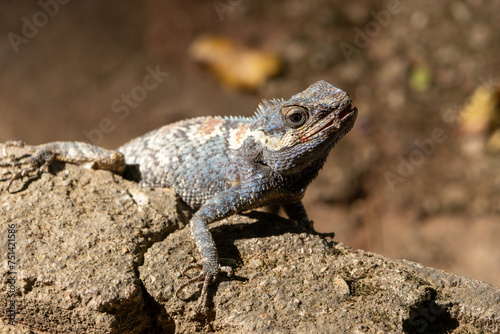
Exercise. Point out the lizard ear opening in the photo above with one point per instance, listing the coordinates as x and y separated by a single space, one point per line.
295 116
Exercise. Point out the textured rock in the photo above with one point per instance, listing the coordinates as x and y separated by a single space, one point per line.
96 253
287 281
80 237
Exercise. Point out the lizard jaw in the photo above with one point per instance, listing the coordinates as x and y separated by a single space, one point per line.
348 111
343 118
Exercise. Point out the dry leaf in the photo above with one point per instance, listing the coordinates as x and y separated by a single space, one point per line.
236 65
481 113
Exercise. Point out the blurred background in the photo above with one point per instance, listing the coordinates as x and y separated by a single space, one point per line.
417 177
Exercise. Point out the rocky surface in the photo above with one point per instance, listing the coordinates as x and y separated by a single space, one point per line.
411 77
98 254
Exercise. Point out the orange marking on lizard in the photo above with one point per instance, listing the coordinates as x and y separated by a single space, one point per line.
237 136
209 126
240 134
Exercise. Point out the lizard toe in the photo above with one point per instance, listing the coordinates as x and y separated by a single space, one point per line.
208 277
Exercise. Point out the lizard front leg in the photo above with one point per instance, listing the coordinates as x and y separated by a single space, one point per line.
220 206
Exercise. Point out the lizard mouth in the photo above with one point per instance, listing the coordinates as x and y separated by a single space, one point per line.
347 112
342 118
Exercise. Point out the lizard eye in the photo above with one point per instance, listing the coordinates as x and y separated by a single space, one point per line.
296 116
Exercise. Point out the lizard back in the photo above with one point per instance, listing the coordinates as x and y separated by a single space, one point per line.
269 158
191 156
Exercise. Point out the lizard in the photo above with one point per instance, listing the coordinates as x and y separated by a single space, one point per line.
221 166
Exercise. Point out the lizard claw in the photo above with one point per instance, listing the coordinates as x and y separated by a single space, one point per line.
18 175
204 276
34 163
17 143
25 171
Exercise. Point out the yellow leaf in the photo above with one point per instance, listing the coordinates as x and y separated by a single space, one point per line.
236 65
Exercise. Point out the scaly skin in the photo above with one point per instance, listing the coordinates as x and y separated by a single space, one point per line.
224 165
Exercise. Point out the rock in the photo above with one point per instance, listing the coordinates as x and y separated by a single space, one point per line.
79 238
98 254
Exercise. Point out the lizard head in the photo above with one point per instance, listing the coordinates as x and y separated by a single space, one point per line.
302 130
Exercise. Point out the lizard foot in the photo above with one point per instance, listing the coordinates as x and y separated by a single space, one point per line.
202 276
308 226
305 224
9 143
22 173
31 164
